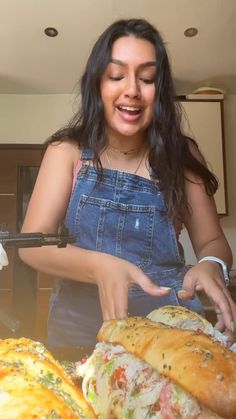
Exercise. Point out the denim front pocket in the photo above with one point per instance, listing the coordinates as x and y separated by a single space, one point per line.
112 227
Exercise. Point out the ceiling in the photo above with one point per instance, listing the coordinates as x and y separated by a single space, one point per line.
32 63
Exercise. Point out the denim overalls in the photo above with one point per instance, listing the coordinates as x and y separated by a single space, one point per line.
123 215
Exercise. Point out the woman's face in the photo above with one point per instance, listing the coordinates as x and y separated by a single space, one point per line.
128 87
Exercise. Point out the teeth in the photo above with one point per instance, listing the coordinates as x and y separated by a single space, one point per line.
129 108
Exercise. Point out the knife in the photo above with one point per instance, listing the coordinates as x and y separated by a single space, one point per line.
35 239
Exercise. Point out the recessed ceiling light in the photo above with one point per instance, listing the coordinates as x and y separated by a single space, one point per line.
190 32
51 32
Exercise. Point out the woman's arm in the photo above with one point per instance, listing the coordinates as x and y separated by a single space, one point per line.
208 239
203 223
47 209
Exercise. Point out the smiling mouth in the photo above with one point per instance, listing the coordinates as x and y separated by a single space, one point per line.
131 110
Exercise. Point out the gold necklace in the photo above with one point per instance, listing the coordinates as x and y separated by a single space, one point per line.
130 151
137 168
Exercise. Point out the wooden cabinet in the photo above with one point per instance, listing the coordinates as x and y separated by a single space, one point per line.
18 285
203 121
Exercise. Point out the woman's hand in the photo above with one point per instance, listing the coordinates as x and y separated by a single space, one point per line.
207 276
113 277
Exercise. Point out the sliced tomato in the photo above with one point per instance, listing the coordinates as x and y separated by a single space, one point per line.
119 375
156 407
105 358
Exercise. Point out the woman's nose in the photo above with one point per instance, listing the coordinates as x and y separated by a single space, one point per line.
132 88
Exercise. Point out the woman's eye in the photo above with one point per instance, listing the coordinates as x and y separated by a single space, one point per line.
115 78
146 80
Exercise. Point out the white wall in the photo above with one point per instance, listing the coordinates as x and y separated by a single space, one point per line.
228 222
31 119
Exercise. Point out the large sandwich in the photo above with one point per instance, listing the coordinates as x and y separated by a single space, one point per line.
34 385
144 369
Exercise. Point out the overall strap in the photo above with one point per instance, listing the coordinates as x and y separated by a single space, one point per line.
86 155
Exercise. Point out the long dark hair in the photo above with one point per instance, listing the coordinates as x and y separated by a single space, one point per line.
170 152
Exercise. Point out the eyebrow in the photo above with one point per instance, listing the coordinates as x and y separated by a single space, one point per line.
122 63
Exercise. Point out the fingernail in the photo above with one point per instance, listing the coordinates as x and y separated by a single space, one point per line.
181 292
185 294
168 289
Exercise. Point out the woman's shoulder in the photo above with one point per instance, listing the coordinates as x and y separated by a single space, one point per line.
65 143
66 148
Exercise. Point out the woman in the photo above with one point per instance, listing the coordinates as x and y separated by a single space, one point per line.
124 180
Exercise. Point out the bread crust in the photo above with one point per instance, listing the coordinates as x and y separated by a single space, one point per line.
201 366
34 385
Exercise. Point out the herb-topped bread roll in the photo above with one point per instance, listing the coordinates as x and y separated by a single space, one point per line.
181 317
34 385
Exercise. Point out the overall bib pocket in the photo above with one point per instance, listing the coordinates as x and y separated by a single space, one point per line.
125 231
